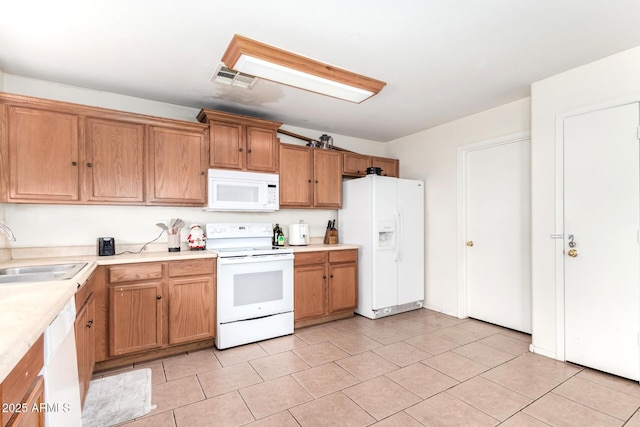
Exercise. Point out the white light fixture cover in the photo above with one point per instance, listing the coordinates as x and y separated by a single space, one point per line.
270 63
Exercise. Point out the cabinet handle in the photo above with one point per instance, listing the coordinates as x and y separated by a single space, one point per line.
201 172
316 181
159 297
240 149
324 277
331 276
74 163
90 323
249 151
89 165
309 181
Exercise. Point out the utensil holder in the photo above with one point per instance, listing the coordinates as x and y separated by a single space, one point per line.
173 242
331 237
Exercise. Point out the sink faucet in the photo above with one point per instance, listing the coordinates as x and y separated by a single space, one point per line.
8 231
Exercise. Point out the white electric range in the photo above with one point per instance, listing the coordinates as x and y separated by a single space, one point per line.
255 284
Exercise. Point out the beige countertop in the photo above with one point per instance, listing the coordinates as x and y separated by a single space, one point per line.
26 309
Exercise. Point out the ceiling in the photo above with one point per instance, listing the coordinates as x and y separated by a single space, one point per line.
441 59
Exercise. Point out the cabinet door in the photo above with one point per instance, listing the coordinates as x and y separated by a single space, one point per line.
192 303
135 317
355 164
114 166
296 174
310 292
43 155
85 344
343 285
390 167
34 399
177 167
327 170
227 145
262 150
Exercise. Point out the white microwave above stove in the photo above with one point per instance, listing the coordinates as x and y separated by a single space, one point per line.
243 191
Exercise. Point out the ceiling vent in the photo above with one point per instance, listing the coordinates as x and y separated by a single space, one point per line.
233 78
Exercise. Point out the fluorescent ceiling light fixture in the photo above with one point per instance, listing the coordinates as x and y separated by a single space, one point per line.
278 65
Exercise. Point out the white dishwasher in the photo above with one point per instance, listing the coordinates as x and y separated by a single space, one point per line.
60 371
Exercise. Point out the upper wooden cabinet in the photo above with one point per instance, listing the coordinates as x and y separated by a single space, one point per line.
310 177
241 142
356 165
177 167
327 167
114 165
296 176
43 155
57 152
390 167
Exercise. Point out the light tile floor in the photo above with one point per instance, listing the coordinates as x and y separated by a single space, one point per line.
419 368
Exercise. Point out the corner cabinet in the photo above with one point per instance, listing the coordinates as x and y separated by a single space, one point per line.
157 305
310 177
241 142
325 286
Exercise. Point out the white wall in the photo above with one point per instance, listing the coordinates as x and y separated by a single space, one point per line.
602 82
431 155
71 225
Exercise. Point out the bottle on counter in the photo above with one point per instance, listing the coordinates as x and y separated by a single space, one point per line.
274 239
280 237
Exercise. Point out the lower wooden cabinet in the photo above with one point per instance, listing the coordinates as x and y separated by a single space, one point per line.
23 388
160 304
325 285
192 301
85 343
135 317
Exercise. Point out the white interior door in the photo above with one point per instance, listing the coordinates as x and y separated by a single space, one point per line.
497 230
601 212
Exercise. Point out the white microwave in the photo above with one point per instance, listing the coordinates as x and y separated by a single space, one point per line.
243 191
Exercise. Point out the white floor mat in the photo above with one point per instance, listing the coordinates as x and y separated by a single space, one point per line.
118 398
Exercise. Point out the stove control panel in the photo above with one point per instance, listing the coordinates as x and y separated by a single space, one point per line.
238 230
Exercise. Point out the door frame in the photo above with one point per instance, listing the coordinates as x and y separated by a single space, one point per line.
558 233
462 206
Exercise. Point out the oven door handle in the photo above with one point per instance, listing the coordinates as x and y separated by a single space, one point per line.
254 259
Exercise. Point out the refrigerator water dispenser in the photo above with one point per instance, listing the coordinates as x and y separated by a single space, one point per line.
386 236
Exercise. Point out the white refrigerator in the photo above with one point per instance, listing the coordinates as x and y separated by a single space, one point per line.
385 217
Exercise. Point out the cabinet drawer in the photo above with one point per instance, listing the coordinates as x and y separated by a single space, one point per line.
350 255
20 379
135 272
192 267
309 258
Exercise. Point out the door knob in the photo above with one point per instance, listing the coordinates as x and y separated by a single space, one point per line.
572 253
470 243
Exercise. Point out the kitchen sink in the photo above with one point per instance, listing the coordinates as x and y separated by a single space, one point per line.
40 273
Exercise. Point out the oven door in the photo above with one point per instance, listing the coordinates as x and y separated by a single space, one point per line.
254 286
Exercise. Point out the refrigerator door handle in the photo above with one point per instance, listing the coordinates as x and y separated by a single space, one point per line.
398 255
400 242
